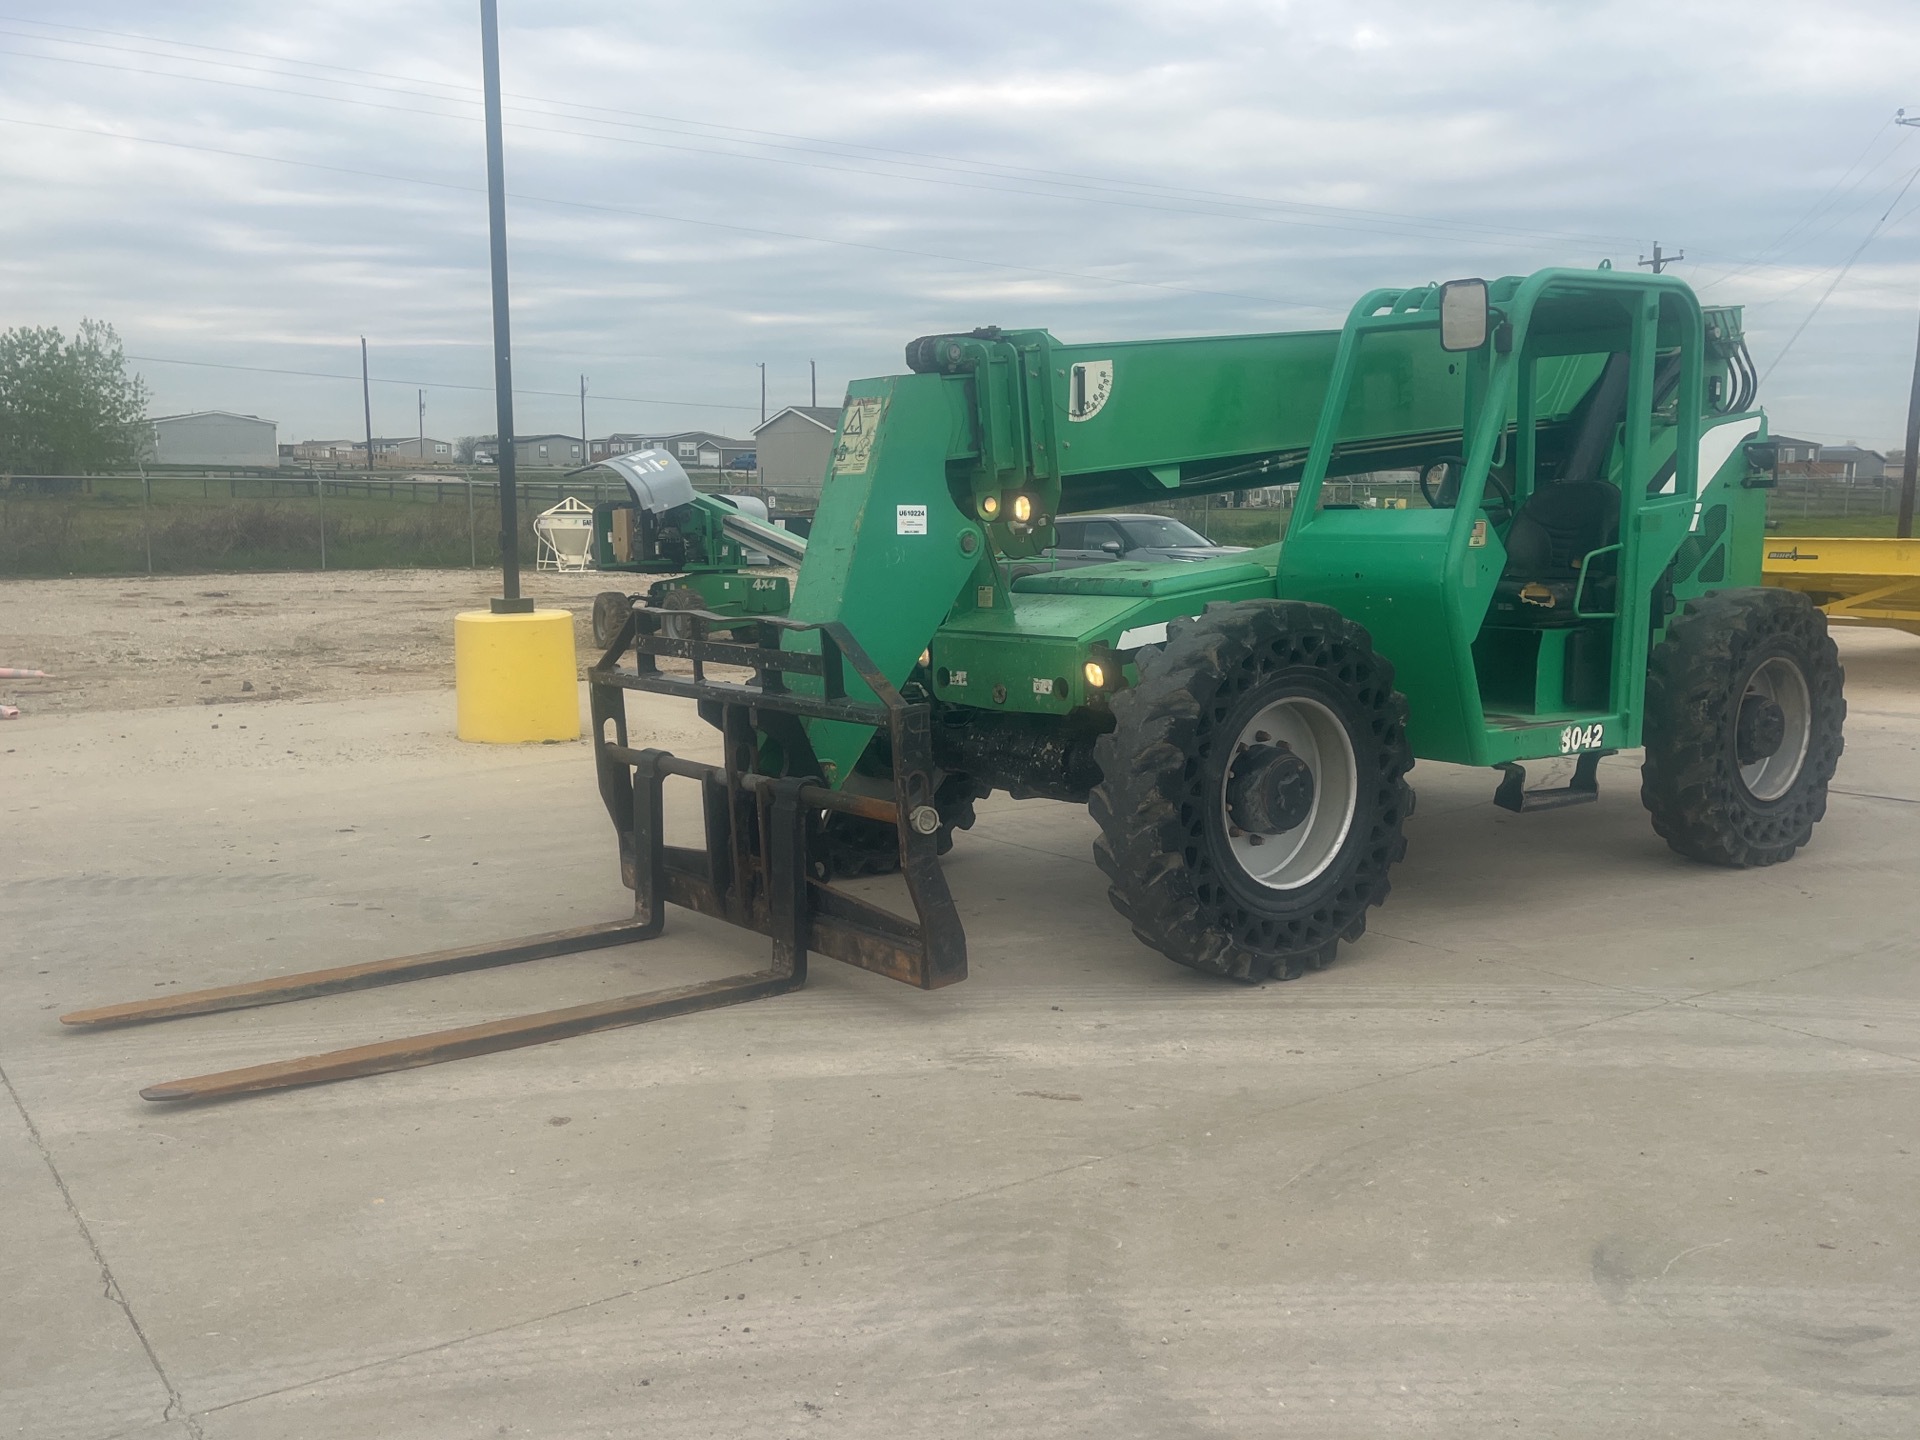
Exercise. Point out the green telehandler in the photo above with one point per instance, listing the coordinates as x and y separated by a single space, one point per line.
1582 578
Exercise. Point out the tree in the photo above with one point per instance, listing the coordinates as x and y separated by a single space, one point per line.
69 407
470 445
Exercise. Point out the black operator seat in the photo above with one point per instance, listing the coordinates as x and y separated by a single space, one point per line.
1565 520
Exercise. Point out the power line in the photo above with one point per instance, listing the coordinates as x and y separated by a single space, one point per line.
915 158
912 158
1814 276
1413 227
1841 214
435 384
1857 252
918 159
1380 221
1833 196
675 219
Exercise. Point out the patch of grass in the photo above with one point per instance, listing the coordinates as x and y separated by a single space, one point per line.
253 523
1244 527
213 526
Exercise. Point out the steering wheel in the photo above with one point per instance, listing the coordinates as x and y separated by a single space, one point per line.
1448 494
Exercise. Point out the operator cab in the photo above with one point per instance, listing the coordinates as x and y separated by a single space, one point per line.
1569 520
1553 424
1549 643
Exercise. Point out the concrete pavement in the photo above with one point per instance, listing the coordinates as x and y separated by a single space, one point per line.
1582 1140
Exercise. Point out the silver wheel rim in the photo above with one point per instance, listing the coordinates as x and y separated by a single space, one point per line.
1778 679
1301 855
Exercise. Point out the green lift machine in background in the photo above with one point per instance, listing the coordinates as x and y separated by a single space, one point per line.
702 546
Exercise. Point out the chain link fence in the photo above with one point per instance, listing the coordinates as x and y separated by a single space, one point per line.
1829 504
232 521
1260 517
1831 497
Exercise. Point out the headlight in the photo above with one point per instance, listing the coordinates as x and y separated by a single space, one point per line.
1096 675
1023 508
989 506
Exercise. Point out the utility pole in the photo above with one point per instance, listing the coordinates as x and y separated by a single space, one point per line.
1660 262
509 601
1903 526
813 384
423 427
763 392
366 400
585 448
146 514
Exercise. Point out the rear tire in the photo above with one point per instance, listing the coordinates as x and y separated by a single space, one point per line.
1241 682
1743 727
610 611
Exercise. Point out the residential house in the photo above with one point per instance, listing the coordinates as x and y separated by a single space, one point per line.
413 448
624 442
542 452
1856 465
1792 451
214 437
320 452
793 447
695 449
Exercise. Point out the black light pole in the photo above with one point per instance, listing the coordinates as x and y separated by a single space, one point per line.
1903 523
813 384
509 601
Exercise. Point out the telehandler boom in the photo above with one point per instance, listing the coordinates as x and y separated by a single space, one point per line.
1583 578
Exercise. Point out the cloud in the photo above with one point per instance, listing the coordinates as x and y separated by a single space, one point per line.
701 188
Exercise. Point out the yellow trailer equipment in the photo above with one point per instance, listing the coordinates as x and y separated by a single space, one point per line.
1856 580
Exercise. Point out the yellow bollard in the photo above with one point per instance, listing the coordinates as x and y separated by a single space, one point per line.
514 677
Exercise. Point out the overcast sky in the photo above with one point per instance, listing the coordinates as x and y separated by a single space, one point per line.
697 188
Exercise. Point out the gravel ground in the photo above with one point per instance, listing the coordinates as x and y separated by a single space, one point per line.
133 644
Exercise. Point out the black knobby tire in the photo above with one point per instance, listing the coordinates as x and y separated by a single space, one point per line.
610 610
1164 841
852 846
1697 680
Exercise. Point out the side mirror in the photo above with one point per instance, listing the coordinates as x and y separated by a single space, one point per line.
1463 315
1763 465
1113 547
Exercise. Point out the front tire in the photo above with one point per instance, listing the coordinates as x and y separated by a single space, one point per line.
1743 726
1254 789
854 846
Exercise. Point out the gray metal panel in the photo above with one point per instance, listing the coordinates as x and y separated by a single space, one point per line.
654 477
